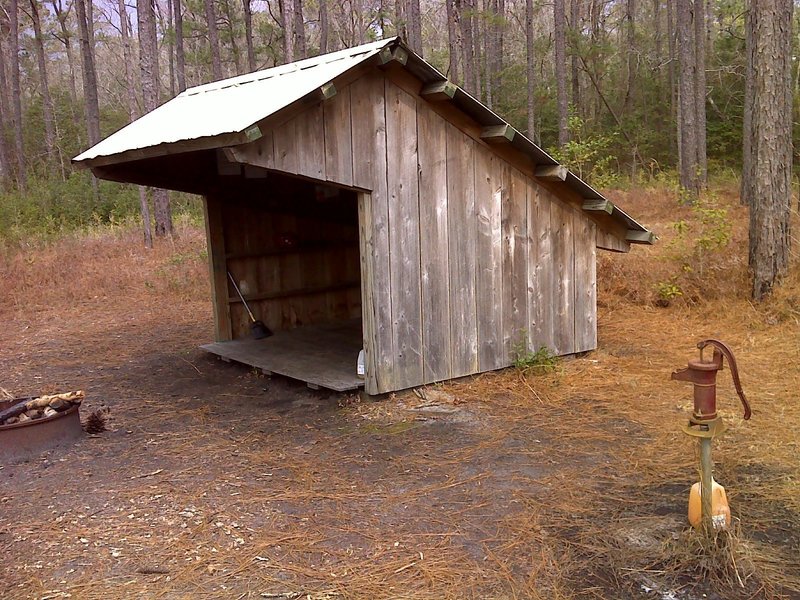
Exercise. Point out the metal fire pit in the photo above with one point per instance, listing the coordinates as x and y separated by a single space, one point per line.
21 441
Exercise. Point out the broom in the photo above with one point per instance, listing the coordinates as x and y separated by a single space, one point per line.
258 330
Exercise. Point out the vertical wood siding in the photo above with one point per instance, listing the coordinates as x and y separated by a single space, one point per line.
463 258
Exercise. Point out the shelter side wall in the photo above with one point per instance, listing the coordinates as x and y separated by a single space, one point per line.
465 258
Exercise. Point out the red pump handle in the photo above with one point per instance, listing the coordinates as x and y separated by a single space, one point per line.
723 349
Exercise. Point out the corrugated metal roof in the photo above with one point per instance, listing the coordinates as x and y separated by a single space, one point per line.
232 106
203 111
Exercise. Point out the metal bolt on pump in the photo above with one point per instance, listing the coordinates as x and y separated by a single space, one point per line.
704 423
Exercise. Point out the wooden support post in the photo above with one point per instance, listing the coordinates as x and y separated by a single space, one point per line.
605 206
439 91
218 268
498 134
551 172
640 237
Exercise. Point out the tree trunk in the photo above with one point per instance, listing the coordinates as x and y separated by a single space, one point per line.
230 18
453 38
687 121
248 34
400 17
171 48
5 153
464 8
323 26
16 101
414 26
284 25
700 90
299 31
213 40
748 159
47 103
630 34
771 145
673 84
92 106
66 39
560 41
130 81
180 55
575 27
530 69
148 61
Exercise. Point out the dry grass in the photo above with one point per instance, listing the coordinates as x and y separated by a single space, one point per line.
570 484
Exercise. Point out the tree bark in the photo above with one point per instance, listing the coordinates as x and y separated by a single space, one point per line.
5 152
771 145
560 41
530 70
248 34
47 103
230 19
148 61
700 90
575 28
180 54
630 35
16 101
414 26
687 121
465 10
299 31
453 38
323 26
66 39
213 39
748 159
284 23
92 106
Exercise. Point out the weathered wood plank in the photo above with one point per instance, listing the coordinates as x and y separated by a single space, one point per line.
404 242
515 261
540 271
609 241
563 293
338 139
635 236
498 134
309 145
433 226
366 229
260 153
285 144
462 226
439 91
489 260
368 119
217 265
585 285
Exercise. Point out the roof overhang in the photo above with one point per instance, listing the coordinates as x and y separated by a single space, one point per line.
237 110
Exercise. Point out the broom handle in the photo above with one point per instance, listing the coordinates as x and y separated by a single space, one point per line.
236 287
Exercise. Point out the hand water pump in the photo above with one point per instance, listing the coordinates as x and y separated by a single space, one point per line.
708 505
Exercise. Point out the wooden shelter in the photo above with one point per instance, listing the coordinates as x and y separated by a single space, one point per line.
361 200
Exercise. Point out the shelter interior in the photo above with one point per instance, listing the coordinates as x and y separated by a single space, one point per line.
292 246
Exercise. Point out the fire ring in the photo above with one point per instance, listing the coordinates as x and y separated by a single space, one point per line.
21 441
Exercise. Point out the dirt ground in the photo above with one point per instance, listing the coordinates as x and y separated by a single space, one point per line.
216 482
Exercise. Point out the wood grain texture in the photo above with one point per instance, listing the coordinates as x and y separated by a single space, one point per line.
217 265
338 139
514 220
540 268
463 228
609 241
309 143
368 112
563 291
285 143
401 133
489 259
585 285
260 153
434 245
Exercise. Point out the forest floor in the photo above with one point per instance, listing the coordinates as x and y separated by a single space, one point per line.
213 481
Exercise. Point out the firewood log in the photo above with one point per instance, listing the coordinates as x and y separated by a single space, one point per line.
40 402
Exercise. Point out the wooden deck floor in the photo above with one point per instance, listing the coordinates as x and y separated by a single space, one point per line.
321 355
